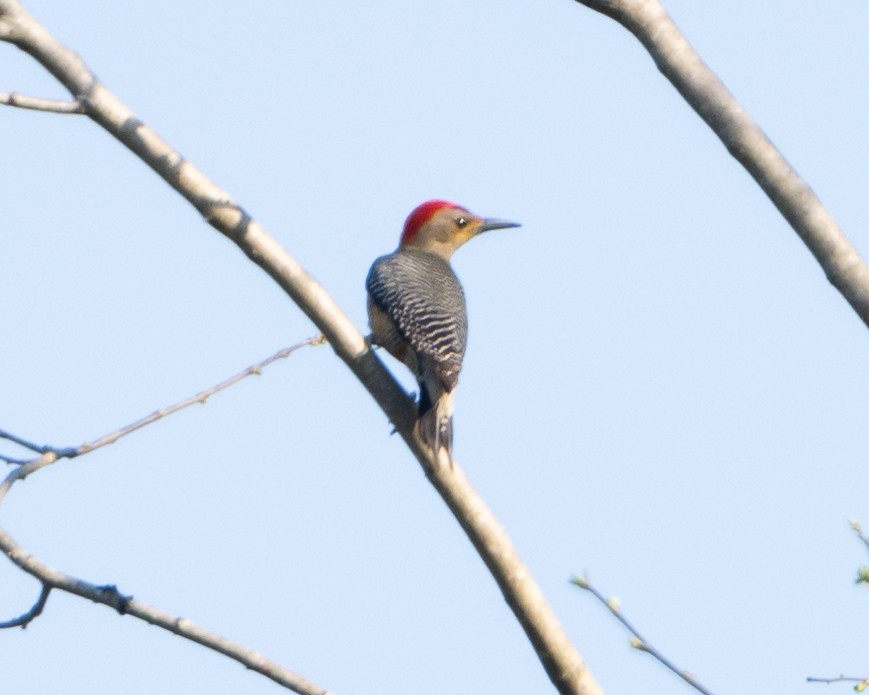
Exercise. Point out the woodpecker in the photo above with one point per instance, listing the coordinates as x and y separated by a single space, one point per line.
416 309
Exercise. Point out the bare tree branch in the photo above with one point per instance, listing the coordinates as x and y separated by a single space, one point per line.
39 104
562 662
50 455
26 618
707 95
638 642
25 469
108 595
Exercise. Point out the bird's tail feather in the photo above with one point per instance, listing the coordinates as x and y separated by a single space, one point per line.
436 432
436 422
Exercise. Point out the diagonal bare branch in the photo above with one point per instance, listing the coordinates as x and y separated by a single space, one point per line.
50 455
638 642
108 595
562 662
707 95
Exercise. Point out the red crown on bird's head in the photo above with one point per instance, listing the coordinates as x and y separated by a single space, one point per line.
422 214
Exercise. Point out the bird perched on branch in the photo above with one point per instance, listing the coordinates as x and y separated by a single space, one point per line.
416 309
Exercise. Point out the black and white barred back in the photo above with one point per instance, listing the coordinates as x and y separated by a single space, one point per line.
428 330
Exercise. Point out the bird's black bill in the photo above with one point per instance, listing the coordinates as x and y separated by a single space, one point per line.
492 223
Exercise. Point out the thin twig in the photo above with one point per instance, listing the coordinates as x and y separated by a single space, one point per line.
24 619
858 529
24 443
862 572
108 595
12 461
638 642
23 101
51 455
864 682
201 397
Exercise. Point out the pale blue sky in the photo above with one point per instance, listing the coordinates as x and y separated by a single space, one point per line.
661 388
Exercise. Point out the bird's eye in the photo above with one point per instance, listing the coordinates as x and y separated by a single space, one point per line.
462 222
